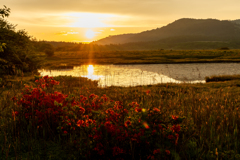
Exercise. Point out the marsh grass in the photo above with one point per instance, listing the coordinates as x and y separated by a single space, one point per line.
212 118
138 57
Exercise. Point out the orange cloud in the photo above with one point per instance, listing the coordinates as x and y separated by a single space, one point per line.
64 33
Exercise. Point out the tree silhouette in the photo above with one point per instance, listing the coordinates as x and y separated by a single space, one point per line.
16 48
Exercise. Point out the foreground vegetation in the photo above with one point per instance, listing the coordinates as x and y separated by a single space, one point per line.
76 119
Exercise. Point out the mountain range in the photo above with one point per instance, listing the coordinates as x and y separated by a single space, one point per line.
225 33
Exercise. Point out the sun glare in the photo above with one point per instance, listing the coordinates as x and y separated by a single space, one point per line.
89 34
89 20
90 70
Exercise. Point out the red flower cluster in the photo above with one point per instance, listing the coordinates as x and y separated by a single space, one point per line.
109 126
46 82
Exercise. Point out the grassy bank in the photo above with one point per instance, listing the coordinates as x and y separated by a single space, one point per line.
209 130
69 59
222 78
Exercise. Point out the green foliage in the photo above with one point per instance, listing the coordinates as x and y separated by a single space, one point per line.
17 53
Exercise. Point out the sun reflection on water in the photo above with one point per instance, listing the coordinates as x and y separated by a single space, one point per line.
90 70
135 75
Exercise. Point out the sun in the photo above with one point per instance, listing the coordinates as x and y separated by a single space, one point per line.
90 34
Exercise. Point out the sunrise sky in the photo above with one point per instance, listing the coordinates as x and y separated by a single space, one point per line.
89 20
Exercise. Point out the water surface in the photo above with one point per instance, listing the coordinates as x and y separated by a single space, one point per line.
147 74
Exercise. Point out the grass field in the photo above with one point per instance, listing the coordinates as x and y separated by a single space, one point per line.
208 131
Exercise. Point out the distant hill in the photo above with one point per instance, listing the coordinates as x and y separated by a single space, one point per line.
184 30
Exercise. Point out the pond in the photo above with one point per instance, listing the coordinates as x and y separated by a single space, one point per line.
147 74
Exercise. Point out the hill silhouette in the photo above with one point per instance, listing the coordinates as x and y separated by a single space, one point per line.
185 30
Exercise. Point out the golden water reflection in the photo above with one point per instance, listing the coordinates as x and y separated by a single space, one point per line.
133 75
90 70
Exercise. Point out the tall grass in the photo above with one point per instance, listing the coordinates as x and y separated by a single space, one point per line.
211 125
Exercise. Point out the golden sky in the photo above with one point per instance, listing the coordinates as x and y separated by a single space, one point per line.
89 20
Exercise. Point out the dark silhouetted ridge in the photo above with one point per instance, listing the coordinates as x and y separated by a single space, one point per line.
182 30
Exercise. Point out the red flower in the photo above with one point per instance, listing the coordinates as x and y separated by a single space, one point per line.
138 109
80 123
146 125
45 77
174 117
150 157
156 109
92 95
65 132
160 127
87 124
16 113
104 97
139 120
82 110
154 131
168 152
175 128
148 91
127 123
156 151
117 151
107 124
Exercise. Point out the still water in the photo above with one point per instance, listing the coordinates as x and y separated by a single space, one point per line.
147 74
